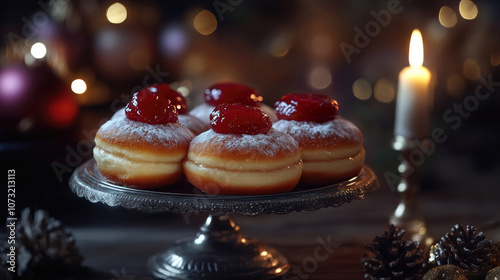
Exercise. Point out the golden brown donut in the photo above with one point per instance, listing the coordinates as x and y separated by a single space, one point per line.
331 151
189 121
141 155
243 164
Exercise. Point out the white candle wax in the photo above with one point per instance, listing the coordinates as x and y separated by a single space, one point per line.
414 100
413 104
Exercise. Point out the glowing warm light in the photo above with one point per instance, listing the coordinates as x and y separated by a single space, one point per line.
468 10
415 99
278 270
362 89
279 46
320 78
116 13
447 17
78 86
205 22
263 253
495 59
38 50
416 49
384 91
471 69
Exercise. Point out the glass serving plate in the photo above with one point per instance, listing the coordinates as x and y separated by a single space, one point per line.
219 251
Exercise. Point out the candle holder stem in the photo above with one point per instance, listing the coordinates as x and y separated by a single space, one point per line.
407 214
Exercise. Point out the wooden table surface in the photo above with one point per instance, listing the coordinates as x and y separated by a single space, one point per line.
120 251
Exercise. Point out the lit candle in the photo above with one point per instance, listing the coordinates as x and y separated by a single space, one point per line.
414 100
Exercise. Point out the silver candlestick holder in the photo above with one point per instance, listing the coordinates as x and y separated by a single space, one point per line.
407 214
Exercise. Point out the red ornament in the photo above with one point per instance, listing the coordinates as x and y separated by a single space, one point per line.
62 110
35 95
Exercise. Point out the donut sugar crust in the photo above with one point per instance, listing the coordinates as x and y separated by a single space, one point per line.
141 155
331 151
242 164
191 122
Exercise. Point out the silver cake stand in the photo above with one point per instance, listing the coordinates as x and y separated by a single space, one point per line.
219 251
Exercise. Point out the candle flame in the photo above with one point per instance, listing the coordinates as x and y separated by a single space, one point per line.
416 49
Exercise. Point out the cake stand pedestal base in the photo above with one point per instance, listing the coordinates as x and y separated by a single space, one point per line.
407 215
218 251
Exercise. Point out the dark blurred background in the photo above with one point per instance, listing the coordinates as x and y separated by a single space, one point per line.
66 66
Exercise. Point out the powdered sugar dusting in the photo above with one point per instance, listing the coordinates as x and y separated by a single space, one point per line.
193 123
267 145
120 113
203 112
335 130
121 129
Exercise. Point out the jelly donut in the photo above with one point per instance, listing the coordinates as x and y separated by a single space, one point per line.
144 147
242 155
332 147
228 92
191 122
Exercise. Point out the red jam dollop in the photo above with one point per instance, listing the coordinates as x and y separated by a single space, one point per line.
175 97
228 92
239 119
152 105
312 107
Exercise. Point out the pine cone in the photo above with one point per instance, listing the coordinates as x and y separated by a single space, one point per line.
392 257
44 247
466 249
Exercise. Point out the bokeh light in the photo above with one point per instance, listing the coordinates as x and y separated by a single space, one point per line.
173 40
468 10
205 22
447 17
495 59
116 13
320 78
62 111
279 45
13 84
471 69
384 91
26 124
38 50
78 86
362 89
